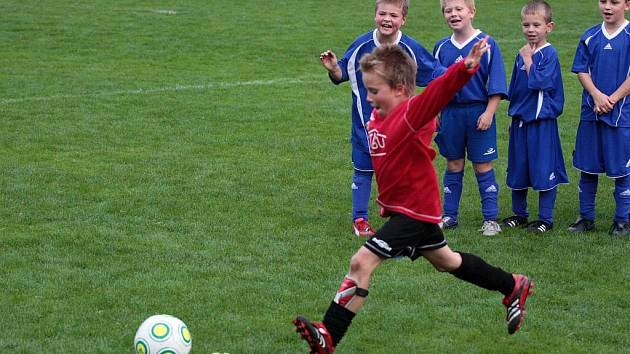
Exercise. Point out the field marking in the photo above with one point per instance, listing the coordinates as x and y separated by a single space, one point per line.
144 91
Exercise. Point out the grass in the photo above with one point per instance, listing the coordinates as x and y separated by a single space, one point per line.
193 159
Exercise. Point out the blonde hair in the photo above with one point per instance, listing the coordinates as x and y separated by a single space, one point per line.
404 5
538 7
469 3
393 65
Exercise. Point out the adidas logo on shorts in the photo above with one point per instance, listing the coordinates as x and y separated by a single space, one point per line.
552 176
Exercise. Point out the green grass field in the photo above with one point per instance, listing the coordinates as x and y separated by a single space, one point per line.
192 158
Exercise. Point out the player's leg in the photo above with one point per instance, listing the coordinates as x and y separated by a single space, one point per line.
451 142
587 190
471 268
489 193
547 170
453 186
324 336
589 159
620 225
518 174
616 151
519 209
546 203
361 190
482 150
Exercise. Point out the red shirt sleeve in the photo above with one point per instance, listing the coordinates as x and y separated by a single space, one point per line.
425 106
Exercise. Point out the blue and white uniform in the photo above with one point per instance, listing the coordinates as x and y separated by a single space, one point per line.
428 69
458 121
458 135
604 148
602 142
536 101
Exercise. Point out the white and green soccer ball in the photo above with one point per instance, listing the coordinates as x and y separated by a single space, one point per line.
162 334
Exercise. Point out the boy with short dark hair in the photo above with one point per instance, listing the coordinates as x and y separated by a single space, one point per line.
400 133
602 142
389 17
467 124
536 100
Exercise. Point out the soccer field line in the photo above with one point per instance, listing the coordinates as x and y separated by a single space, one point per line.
143 91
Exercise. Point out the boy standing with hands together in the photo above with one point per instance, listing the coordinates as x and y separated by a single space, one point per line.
389 17
602 142
536 100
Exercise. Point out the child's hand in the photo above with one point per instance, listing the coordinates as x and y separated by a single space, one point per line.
477 51
328 60
527 51
484 121
603 104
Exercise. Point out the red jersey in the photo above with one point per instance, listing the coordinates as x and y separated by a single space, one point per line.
400 147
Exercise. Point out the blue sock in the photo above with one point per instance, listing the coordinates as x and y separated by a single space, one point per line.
489 192
588 189
622 198
519 202
546 202
361 190
453 182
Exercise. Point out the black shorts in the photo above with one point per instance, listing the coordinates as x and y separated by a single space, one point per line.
402 236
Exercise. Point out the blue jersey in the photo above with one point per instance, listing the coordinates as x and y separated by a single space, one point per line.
540 94
607 59
428 69
490 78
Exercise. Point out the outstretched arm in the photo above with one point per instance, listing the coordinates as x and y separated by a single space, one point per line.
477 51
440 91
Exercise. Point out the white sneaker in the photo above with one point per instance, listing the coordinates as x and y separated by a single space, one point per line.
490 228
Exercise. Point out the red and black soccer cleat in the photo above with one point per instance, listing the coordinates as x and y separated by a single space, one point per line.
515 302
315 334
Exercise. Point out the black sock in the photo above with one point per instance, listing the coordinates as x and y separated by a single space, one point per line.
476 271
337 320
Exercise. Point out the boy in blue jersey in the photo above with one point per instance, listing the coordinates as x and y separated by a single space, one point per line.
467 124
602 142
390 16
536 100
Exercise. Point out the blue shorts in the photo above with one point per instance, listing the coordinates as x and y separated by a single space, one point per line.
361 160
535 156
600 148
458 136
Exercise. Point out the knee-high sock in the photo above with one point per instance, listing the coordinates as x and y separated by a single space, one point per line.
588 190
361 190
489 192
453 182
519 202
622 198
337 320
546 202
476 271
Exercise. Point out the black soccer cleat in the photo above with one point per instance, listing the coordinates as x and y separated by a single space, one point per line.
315 334
515 221
582 225
619 229
539 226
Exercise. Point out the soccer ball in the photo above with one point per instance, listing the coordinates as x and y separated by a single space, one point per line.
162 334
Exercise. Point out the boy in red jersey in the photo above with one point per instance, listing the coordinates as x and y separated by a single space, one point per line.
400 133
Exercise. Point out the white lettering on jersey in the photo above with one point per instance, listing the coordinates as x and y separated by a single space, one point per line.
377 142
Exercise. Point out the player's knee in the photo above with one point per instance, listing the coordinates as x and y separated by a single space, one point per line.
482 167
455 166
